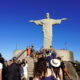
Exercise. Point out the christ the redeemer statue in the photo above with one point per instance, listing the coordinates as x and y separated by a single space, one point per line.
47 24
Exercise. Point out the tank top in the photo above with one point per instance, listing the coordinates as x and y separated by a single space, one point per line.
48 78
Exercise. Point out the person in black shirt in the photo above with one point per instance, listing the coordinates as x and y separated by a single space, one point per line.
14 71
5 70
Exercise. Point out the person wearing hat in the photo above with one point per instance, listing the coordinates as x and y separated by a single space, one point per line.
41 71
64 69
56 70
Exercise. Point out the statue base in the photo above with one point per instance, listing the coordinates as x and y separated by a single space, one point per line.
65 55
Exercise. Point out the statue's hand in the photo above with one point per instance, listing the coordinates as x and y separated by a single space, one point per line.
31 20
64 19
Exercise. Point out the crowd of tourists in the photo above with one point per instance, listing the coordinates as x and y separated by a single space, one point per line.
40 53
47 66
13 69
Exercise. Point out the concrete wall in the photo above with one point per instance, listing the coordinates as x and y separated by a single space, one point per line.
17 52
66 55
20 54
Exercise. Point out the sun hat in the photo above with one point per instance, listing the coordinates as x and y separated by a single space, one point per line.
55 62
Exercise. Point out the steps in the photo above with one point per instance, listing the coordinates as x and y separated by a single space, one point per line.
30 66
23 55
71 70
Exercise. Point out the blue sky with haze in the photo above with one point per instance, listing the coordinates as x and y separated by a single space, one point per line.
15 28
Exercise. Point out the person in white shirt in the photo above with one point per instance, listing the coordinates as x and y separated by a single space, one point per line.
25 71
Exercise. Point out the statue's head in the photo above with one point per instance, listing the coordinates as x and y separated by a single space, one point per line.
47 15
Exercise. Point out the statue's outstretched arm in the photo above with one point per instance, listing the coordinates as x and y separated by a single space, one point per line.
37 22
31 20
58 21
63 19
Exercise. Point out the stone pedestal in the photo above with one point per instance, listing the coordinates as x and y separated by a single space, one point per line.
71 70
17 53
66 55
20 54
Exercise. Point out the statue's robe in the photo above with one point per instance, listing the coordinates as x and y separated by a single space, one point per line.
47 30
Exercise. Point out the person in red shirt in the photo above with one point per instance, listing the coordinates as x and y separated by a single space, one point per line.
28 51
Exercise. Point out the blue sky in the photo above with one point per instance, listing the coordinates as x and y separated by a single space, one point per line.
15 28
